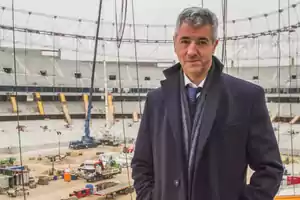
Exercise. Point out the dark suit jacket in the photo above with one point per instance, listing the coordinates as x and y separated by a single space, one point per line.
236 132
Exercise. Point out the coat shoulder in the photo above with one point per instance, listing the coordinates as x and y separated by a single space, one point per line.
241 87
155 96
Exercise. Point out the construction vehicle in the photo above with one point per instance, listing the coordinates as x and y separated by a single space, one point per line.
105 174
83 145
87 139
109 140
94 170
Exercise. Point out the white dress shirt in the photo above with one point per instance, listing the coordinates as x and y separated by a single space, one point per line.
187 81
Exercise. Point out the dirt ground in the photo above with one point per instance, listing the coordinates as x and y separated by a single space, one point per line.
59 189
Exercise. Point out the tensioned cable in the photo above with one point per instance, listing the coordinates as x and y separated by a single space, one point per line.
53 62
148 41
76 55
136 58
290 86
25 59
1 13
278 71
297 47
38 45
258 59
123 18
25 53
76 58
17 104
87 123
118 45
122 15
143 25
224 15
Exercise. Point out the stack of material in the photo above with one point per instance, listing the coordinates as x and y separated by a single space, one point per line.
104 185
43 180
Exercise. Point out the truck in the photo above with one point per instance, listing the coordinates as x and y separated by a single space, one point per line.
104 174
109 140
94 170
82 144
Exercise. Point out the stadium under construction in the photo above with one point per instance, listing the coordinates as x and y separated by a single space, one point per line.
45 81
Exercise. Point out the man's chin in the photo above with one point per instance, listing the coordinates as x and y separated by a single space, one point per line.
192 69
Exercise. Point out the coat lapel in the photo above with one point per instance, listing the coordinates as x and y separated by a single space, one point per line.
212 98
172 102
171 96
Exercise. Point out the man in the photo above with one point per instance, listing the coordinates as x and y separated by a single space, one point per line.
196 145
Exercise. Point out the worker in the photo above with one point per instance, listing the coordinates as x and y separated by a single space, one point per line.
100 161
202 128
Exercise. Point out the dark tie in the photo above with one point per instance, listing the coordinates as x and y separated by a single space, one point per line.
192 101
192 93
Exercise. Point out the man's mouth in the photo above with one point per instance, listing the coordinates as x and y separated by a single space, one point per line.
193 61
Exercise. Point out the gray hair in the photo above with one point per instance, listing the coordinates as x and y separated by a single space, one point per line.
197 16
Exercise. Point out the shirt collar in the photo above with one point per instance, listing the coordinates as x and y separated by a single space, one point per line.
187 81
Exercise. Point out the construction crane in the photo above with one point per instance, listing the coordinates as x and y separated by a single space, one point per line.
87 141
87 135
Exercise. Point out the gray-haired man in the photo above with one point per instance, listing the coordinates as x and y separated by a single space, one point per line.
202 128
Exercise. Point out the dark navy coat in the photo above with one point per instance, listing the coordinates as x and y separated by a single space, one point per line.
236 132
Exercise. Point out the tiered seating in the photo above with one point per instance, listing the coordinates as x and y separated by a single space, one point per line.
76 107
61 72
52 107
29 65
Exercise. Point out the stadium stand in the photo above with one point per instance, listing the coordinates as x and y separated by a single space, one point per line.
51 76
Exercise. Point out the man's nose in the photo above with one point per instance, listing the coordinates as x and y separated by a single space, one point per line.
192 49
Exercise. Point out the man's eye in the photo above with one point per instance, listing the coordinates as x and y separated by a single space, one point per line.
185 41
202 42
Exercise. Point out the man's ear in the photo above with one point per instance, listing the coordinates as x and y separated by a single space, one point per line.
174 40
215 45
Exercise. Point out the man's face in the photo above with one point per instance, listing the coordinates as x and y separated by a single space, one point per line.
194 47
